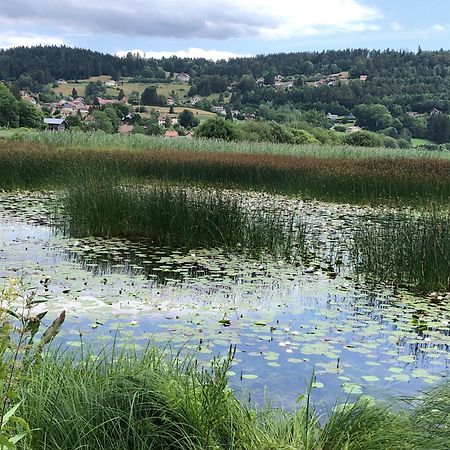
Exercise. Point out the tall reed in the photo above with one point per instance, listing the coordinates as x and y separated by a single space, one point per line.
405 249
360 180
179 217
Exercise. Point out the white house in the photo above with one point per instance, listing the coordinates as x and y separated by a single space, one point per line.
183 77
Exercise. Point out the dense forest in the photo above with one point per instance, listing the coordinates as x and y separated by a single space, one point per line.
413 81
396 92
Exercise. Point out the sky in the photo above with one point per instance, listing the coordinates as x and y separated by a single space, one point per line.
225 28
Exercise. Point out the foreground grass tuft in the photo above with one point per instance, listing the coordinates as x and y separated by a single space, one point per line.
152 401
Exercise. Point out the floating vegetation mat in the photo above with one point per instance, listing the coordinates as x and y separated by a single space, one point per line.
286 319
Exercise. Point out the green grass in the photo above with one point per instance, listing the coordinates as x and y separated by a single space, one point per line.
406 250
416 142
181 218
119 401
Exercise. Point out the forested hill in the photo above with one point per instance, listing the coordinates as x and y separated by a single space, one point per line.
49 63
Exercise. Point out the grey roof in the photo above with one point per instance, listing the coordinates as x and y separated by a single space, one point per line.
52 121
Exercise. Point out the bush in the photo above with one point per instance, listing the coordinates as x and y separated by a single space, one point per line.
363 139
217 128
340 128
390 142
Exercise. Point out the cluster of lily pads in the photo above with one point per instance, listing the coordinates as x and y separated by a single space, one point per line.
288 319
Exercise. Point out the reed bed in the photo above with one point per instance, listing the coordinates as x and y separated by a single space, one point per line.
100 140
406 250
157 401
374 180
180 218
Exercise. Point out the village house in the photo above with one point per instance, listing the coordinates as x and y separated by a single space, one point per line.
170 101
363 77
218 110
332 117
28 98
110 83
126 128
54 124
278 79
189 135
171 134
260 81
98 101
163 118
195 99
183 77
83 112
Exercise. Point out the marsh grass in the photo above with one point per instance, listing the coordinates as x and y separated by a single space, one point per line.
157 401
406 250
414 180
180 218
100 140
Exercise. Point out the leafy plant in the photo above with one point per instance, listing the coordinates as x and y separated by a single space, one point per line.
18 352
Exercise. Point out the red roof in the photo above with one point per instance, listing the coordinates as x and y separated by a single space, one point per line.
171 133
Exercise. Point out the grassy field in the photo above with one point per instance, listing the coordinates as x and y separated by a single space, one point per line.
180 89
309 173
418 142
199 113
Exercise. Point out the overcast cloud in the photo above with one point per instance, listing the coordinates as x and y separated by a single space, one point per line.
203 19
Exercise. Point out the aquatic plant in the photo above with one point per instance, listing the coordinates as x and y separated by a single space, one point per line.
179 217
18 352
405 249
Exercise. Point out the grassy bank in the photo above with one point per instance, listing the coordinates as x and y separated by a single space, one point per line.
182 218
125 401
406 250
356 180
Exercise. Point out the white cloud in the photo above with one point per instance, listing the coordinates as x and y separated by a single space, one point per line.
438 27
10 39
302 17
192 52
194 19
395 26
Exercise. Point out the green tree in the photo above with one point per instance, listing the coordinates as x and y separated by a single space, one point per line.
103 122
149 96
134 97
29 116
95 89
375 117
187 119
217 128
439 128
9 114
